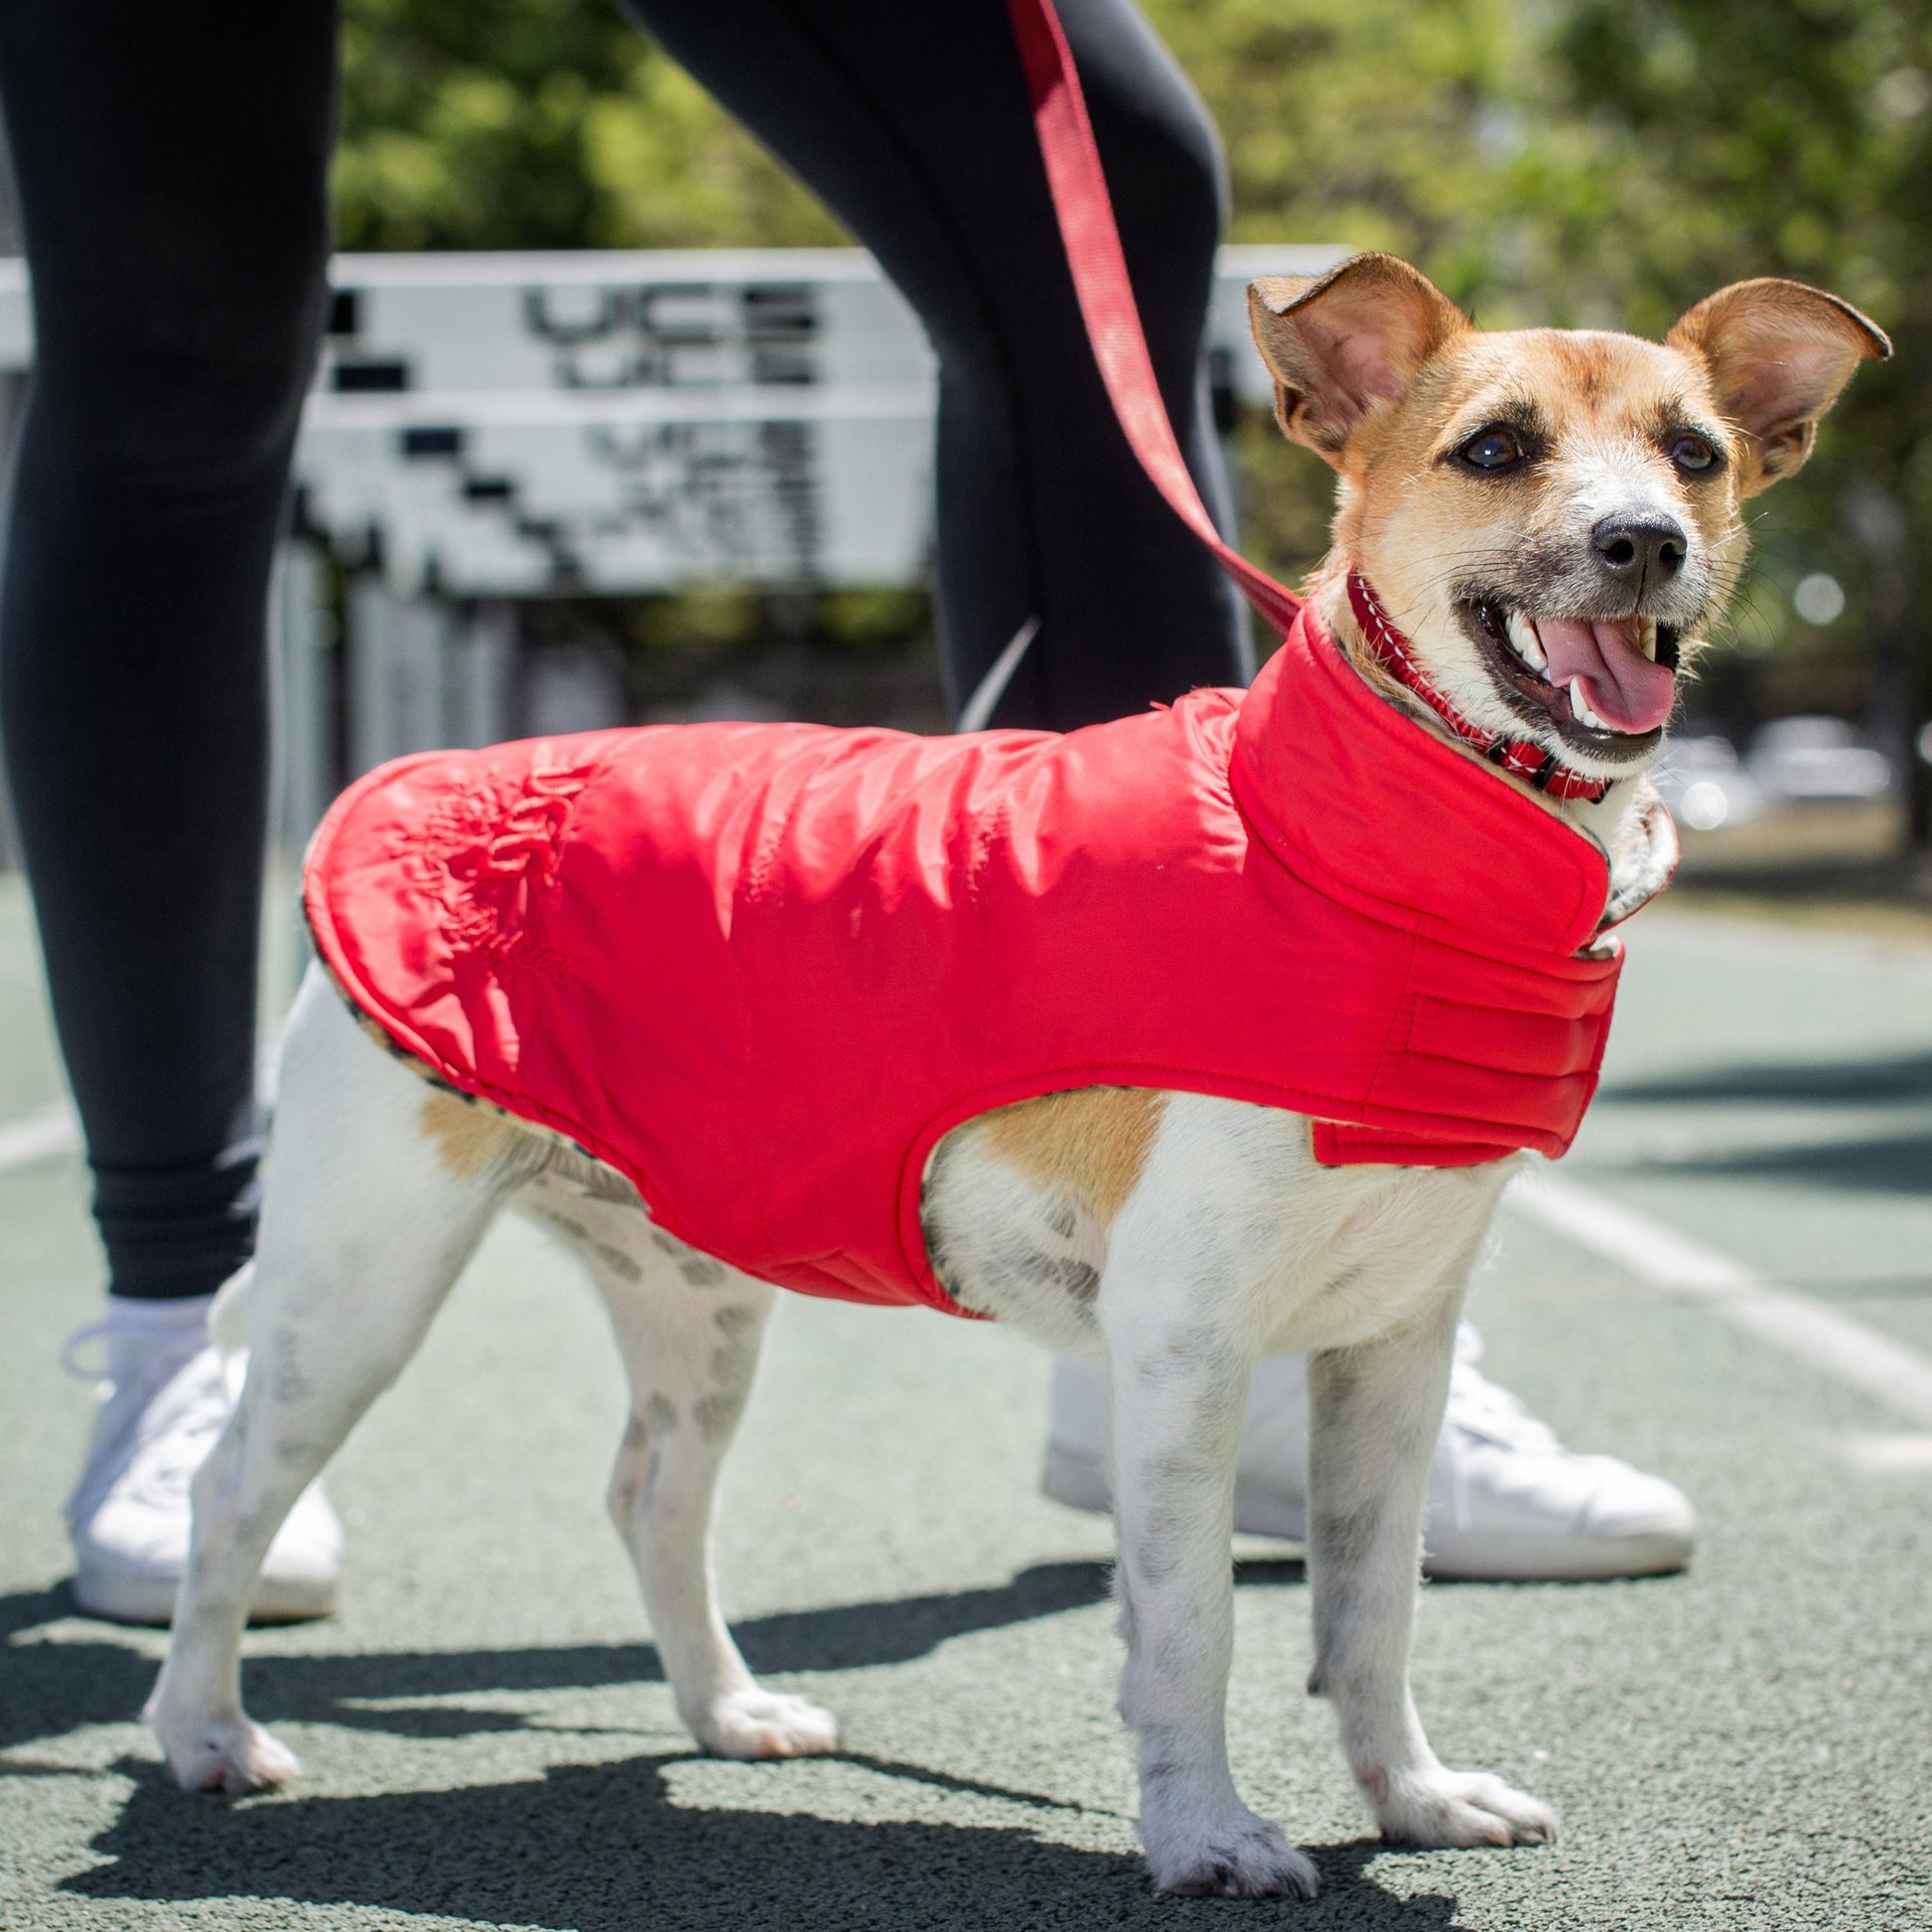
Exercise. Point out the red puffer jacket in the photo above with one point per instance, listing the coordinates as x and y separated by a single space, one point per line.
761 969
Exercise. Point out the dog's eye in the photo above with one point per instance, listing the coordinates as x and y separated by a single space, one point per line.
1492 449
1694 453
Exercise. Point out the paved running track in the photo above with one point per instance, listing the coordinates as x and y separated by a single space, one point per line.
489 1743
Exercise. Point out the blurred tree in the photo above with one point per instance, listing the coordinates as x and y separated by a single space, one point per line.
543 124
1381 123
1687 143
1605 163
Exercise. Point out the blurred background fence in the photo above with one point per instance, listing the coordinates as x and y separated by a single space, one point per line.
540 493
527 485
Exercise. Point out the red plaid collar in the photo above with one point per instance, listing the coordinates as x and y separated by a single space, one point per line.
1543 770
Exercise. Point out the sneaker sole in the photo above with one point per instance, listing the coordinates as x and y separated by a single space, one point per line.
1080 1482
121 1597
1499 1559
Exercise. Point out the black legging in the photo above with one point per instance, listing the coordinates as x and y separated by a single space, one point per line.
172 163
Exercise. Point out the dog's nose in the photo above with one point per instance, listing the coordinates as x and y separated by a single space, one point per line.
1640 549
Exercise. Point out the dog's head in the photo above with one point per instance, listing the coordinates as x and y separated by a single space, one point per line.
1551 517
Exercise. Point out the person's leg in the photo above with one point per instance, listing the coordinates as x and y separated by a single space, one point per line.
172 166
914 125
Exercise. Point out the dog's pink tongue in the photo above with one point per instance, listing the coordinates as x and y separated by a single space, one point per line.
1628 691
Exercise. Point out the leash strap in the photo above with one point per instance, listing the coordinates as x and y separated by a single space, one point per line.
1085 213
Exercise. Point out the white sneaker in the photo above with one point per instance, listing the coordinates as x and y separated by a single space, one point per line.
165 1395
1507 1502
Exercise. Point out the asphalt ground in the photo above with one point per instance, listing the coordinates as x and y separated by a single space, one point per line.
487 1740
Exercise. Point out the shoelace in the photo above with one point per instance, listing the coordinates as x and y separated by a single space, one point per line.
187 1340
170 1428
1479 1411
1487 1413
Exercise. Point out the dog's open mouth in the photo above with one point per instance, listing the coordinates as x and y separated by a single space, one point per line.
1606 684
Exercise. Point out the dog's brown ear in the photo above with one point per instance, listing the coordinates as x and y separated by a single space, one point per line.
1339 342
1778 354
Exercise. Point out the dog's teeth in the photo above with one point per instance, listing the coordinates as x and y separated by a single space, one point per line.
1647 638
1527 645
1580 707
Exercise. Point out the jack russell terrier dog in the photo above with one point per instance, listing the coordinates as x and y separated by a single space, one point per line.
1175 1043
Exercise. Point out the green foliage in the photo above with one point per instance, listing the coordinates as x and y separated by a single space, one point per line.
1686 144
699 619
542 124
1697 143
1380 123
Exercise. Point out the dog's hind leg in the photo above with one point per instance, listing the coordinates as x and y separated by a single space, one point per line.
1374 1414
688 1328
380 1188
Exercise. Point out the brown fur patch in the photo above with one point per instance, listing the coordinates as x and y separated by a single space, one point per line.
465 1127
1093 1144
467 1137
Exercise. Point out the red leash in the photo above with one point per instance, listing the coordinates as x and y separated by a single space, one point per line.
1085 213
1086 217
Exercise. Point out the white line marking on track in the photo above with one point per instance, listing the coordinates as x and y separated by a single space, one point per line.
1658 1254
37 1136
1884 1455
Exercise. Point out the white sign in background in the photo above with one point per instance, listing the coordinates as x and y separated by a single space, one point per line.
533 425
484 428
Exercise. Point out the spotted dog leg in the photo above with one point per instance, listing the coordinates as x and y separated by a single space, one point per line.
688 1328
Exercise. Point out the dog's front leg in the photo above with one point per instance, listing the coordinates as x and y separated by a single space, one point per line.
1373 1418
1178 1391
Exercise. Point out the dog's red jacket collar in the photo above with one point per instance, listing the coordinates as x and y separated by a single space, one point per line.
1543 769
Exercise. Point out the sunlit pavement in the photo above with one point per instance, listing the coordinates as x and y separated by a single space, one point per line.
488 1743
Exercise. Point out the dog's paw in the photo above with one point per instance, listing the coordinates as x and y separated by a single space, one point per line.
1457 1808
759 1723
1236 1857
234 1756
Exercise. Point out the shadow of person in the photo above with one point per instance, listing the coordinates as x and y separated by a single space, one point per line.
52 1687
1852 1081
1894 1158
28 1609
48 1688
608 1848
1873 1164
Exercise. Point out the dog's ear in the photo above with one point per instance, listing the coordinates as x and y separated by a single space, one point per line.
1339 342
1778 354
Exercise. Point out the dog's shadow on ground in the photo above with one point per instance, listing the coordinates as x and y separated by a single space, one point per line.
605 1847
56 1687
